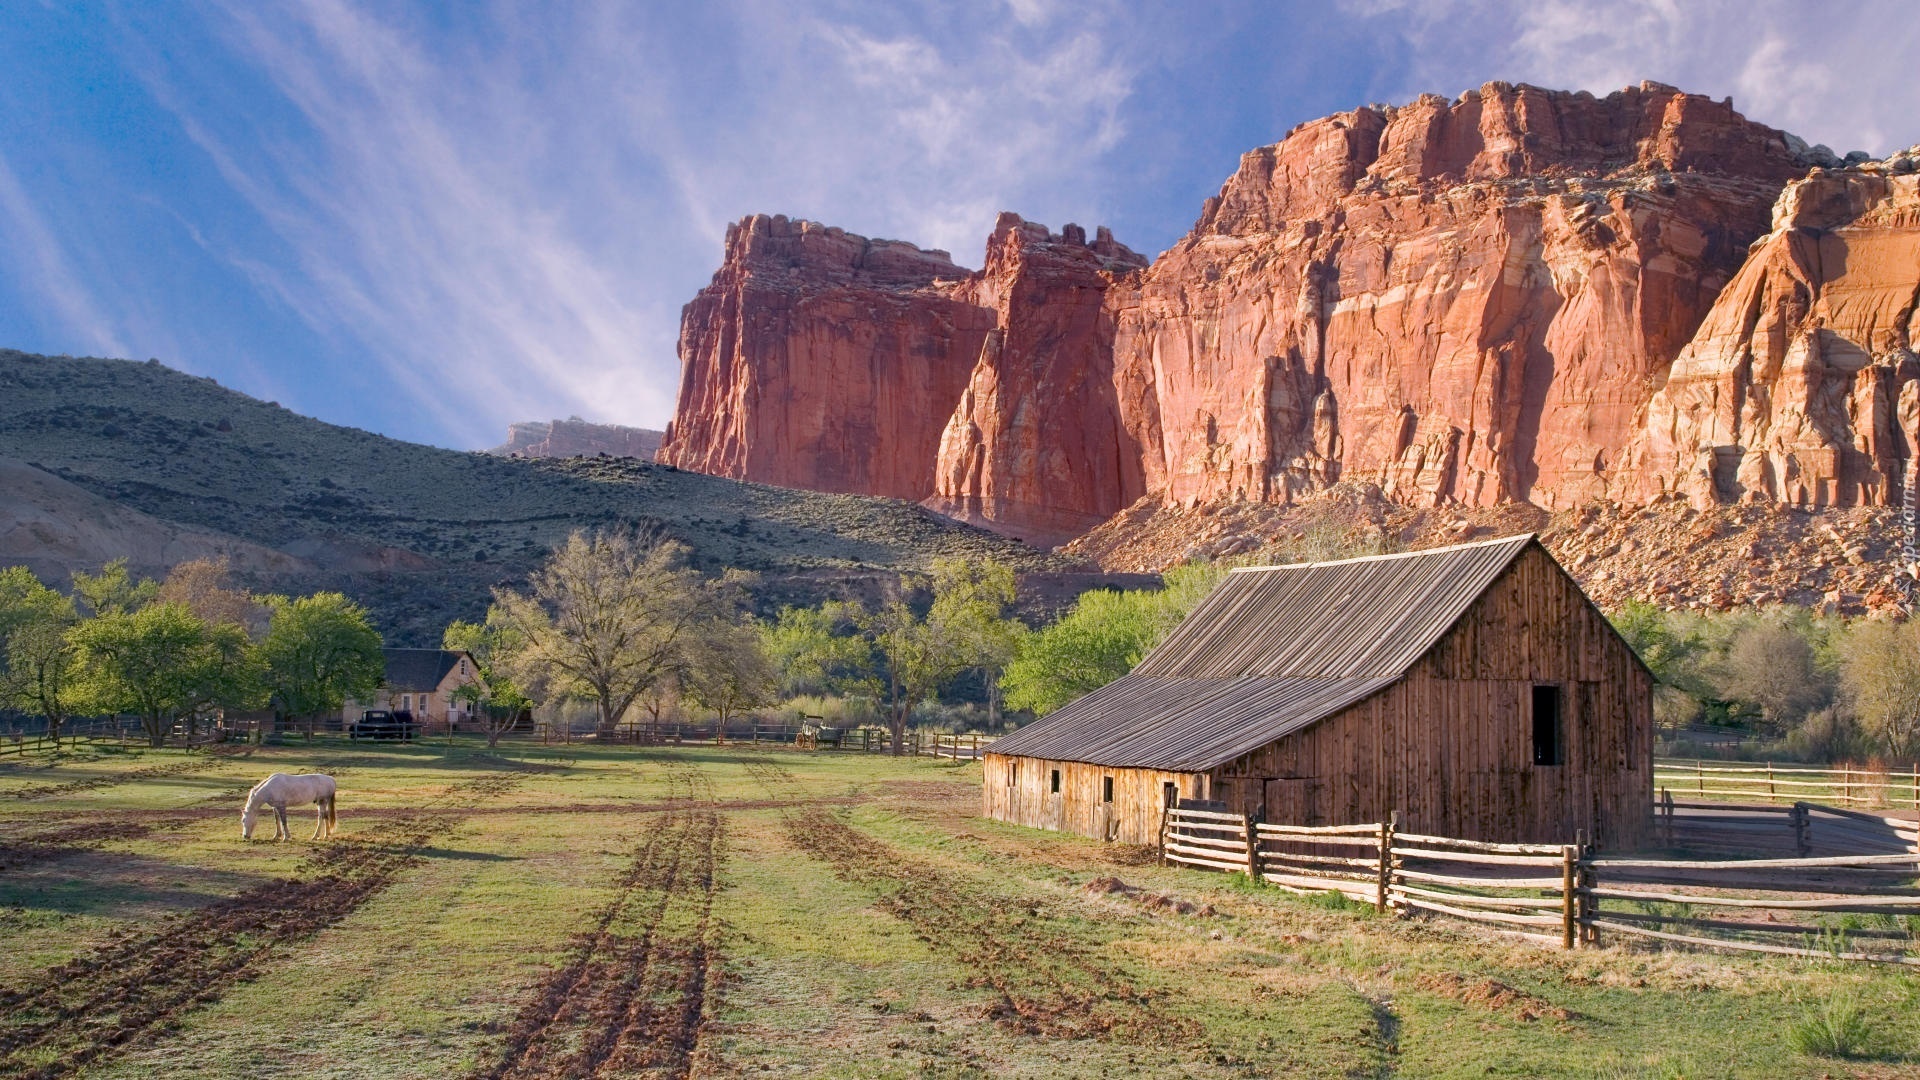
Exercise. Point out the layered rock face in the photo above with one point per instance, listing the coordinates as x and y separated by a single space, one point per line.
1800 385
1464 302
820 359
1500 298
1037 445
574 437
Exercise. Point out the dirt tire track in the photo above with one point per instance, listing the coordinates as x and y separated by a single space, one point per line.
137 988
1043 977
632 997
57 843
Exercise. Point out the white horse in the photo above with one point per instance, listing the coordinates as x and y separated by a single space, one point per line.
281 791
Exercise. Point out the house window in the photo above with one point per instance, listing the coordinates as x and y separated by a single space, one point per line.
1056 782
1548 747
406 702
1106 789
1170 793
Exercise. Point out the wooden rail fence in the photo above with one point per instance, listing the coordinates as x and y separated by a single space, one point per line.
1839 785
1566 894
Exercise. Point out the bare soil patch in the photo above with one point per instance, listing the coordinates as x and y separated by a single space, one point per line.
136 988
1494 996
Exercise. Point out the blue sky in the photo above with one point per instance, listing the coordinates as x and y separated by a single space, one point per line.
430 220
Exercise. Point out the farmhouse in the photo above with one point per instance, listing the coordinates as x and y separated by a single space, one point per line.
422 682
1474 689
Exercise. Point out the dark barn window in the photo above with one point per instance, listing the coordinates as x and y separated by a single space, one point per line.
1547 743
1106 789
1170 793
1056 781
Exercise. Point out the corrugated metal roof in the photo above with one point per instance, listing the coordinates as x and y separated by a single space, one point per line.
1271 650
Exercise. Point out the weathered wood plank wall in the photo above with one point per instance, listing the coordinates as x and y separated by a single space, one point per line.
1018 790
1451 745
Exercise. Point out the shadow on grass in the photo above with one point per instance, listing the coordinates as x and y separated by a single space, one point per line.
119 885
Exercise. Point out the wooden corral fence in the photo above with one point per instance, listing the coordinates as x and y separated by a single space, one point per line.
1838 785
866 739
1567 895
98 732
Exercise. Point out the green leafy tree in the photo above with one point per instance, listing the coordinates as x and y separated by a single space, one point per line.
36 661
319 651
113 591
495 700
606 618
970 602
821 650
162 663
1100 639
1104 635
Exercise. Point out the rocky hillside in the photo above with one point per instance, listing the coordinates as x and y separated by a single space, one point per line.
108 458
1518 297
574 437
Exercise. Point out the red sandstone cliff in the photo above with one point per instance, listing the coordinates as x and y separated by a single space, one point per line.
1037 446
1465 302
824 360
1800 385
574 437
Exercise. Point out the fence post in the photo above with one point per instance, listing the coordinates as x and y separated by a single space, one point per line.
1386 854
1769 781
1700 776
1252 822
1569 857
1589 934
1801 818
1166 821
1666 814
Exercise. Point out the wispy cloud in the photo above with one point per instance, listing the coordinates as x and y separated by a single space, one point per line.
509 212
34 246
1823 71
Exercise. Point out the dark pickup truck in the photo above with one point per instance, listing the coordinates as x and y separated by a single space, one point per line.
384 725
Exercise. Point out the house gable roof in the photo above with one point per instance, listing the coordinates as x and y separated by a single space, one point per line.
419 670
1270 651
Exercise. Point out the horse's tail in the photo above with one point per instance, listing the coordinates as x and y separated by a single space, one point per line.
330 815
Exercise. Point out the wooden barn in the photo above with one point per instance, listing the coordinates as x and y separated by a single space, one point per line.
1474 689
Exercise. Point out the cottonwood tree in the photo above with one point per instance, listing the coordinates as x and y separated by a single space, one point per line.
113 591
162 663
824 649
728 671
205 586
36 660
1101 638
607 617
318 651
922 654
495 701
970 600
1880 671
